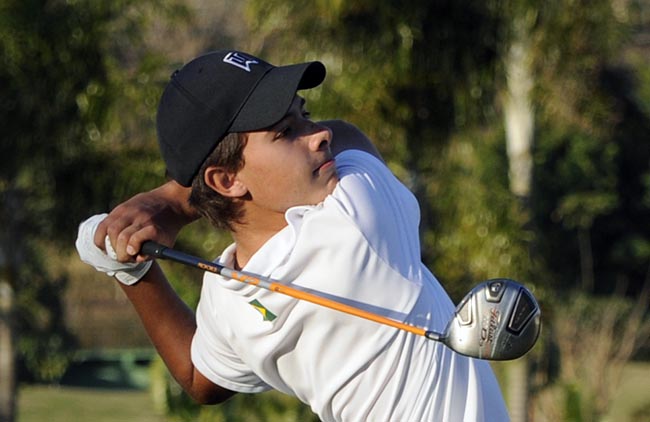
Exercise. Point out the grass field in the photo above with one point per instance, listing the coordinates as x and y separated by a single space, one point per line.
633 394
65 404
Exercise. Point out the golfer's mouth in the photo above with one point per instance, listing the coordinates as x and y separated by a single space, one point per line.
327 165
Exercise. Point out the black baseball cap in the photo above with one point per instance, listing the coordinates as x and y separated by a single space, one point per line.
219 93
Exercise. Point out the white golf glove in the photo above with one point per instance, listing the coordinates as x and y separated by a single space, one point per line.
126 272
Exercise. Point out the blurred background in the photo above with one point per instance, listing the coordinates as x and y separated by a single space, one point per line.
523 128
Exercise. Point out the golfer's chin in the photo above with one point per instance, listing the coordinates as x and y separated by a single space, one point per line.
322 189
324 192
331 184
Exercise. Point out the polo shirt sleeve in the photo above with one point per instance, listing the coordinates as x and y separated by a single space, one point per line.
383 208
211 353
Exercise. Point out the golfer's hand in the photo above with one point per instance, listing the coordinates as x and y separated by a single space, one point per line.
127 273
157 215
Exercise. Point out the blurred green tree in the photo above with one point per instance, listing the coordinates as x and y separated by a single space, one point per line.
591 161
70 95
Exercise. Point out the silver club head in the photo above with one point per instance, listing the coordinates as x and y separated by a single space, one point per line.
498 320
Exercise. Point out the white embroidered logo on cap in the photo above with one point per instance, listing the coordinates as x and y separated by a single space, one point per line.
241 61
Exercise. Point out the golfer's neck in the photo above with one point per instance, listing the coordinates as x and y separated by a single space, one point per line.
253 233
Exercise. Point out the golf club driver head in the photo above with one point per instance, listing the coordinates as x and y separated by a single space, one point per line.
498 320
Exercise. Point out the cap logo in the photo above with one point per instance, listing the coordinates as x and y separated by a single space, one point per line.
239 60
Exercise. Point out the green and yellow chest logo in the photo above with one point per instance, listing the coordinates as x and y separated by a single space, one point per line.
266 314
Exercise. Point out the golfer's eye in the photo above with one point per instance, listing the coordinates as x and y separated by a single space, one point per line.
283 132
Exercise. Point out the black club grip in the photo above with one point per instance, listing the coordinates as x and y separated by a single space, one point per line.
152 249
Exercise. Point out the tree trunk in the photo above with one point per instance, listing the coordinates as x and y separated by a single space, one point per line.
518 387
7 356
519 115
586 260
519 122
10 247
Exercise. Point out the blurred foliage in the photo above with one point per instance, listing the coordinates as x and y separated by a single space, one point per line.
642 413
488 225
44 343
594 337
590 124
406 72
75 76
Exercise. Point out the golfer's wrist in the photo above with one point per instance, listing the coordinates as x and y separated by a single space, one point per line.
131 277
178 197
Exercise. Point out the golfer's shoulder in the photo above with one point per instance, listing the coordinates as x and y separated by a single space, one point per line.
347 136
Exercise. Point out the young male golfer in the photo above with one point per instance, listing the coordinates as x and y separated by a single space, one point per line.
313 205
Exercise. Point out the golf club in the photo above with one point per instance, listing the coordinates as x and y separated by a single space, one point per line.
499 319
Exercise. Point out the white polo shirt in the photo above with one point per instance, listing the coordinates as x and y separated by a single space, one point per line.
360 246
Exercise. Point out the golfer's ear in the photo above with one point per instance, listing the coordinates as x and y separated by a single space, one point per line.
224 182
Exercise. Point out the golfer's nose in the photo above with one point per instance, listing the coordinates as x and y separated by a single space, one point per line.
320 137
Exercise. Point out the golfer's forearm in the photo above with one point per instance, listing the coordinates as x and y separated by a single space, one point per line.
347 136
169 322
178 197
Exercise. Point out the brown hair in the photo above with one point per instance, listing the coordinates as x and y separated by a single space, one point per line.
221 211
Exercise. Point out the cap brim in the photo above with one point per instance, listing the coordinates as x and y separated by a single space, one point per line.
274 94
